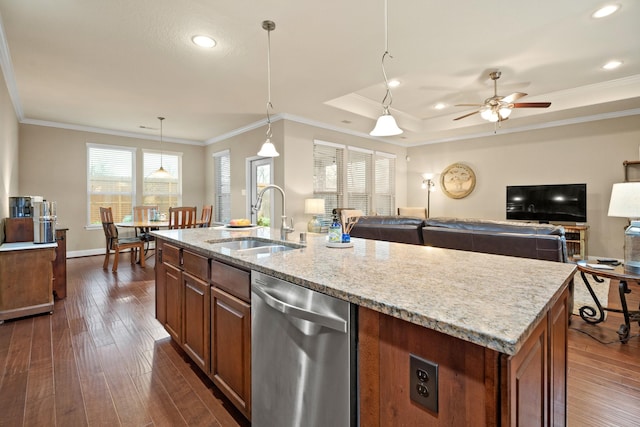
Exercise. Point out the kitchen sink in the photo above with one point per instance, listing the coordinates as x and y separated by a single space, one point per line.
253 246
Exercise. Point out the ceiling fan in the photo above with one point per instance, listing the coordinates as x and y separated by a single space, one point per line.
498 108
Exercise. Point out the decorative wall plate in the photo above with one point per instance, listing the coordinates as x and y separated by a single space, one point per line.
457 181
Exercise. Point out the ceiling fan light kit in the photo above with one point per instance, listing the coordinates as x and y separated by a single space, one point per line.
386 125
498 108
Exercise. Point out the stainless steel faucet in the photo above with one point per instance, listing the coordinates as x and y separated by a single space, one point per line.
284 228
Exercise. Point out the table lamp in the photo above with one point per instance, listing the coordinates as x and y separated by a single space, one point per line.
625 202
314 207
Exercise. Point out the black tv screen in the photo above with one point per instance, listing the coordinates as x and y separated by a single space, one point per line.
547 203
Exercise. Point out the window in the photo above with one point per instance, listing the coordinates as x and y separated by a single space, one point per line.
165 192
328 175
110 181
222 183
370 178
385 184
359 182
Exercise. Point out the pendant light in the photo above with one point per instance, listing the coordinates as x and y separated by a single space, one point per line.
268 149
386 124
161 173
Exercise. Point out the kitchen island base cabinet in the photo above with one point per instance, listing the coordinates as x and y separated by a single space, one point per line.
231 333
477 386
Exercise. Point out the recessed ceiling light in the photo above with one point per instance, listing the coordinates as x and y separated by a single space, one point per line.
394 83
439 106
203 41
612 65
606 11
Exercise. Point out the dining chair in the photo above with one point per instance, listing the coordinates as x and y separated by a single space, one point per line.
118 244
144 213
182 217
205 216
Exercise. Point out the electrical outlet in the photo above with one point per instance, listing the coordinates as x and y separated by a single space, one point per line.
423 382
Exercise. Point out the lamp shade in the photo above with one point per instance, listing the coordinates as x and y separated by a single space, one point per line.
386 126
268 150
314 206
625 200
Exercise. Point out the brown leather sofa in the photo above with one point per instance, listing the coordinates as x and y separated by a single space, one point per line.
526 240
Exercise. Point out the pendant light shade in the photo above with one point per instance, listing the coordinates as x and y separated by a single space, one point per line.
161 173
386 124
268 149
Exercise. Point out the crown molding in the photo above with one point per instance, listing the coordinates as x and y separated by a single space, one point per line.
107 131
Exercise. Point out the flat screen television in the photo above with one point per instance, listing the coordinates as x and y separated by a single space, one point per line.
547 203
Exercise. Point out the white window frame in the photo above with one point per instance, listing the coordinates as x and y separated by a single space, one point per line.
178 173
132 193
339 194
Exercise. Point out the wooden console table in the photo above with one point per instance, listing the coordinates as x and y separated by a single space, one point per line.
596 315
576 236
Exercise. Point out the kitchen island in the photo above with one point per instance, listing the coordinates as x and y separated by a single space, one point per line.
495 325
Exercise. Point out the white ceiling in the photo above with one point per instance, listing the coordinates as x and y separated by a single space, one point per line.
116 65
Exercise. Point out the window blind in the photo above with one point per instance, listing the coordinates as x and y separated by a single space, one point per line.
110 181
385 184
359 179
222 186
328 176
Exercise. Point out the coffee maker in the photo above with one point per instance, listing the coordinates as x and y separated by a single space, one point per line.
44 222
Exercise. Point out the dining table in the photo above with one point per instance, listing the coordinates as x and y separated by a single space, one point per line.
147 225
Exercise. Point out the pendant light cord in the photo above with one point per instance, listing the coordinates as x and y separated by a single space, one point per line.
269 26
161 119
386 53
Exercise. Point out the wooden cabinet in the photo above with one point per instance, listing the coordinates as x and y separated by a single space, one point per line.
231 334
205 306
576 236
476 386
26 280
60 264
195 308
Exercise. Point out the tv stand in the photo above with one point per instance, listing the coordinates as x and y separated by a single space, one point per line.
576 236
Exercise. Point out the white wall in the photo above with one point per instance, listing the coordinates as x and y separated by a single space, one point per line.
8 153
589 153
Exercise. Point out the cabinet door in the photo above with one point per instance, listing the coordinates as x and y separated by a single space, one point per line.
161 286
196 319
173 287
526 387
231 348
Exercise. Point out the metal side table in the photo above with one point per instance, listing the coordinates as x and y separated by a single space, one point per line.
596 315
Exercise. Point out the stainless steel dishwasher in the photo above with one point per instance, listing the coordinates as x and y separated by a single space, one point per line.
303 356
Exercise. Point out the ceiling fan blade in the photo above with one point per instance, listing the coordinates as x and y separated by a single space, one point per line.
513 97
468 105
531 105
466 115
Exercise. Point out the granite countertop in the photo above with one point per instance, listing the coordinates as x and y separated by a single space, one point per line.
21 246
491 300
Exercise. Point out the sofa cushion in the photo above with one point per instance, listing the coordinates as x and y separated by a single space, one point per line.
389 228
495 226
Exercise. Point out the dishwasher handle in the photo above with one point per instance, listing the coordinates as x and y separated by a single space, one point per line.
301 313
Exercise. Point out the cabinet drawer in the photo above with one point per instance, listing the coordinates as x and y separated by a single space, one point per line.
233 280
195 264
171 254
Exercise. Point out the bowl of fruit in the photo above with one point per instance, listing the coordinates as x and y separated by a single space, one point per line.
240 223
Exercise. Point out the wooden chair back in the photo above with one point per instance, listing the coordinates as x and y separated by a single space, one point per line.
116 244
144 212
182 217
205 216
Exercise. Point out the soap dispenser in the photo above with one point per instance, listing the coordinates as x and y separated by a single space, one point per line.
335 230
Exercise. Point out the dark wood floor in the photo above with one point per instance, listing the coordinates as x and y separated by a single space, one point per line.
102 359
